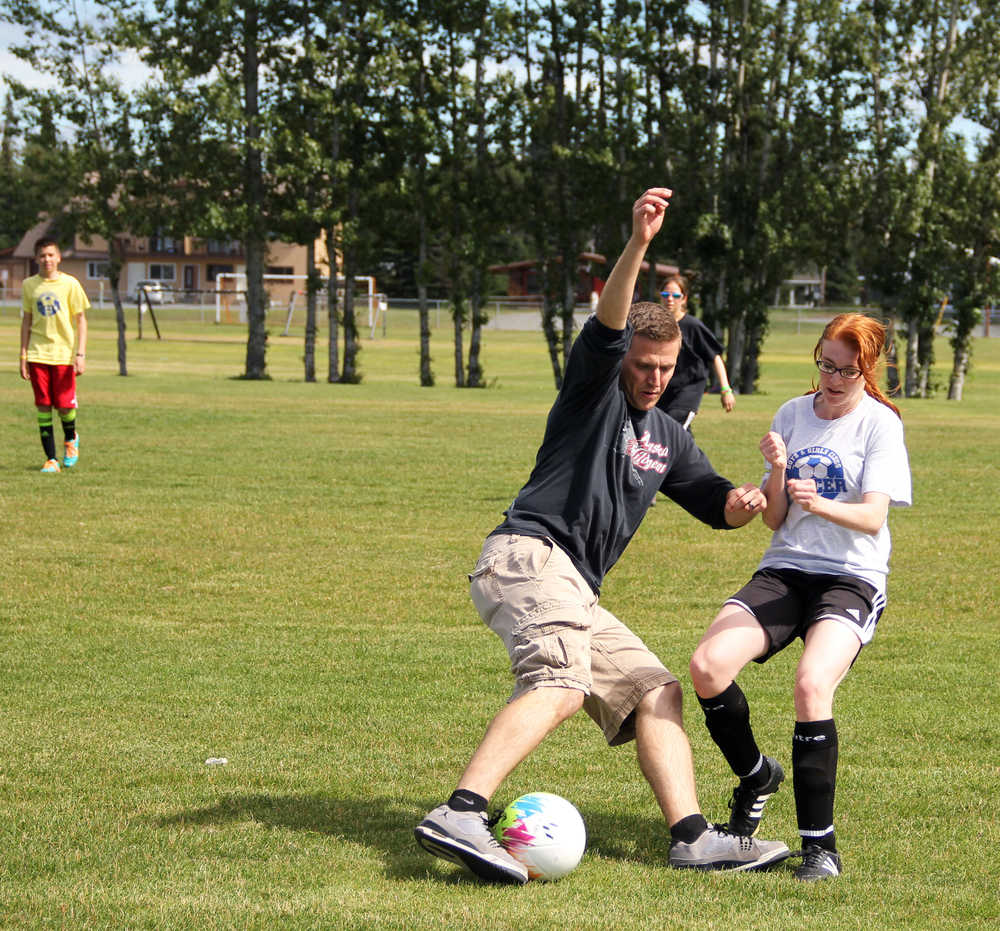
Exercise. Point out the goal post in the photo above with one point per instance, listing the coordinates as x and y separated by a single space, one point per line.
239 278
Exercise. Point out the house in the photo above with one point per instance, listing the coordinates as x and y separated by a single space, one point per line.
524 278
187 268
806 288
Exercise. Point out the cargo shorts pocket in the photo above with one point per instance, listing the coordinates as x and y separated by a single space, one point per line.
510 572
484 590
528 557
554 646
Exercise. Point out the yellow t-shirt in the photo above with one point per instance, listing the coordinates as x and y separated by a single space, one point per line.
54 307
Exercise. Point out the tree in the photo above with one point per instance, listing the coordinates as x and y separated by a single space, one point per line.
969 194
926 54
223 51
422 100
753 61
300 169
107 194
562 144
972 205
476 181
30 183
363 83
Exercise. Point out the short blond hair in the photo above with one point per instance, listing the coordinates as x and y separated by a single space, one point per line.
654 322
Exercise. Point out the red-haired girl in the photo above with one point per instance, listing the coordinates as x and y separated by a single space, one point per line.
836 460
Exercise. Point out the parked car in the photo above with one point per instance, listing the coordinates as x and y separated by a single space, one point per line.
158 292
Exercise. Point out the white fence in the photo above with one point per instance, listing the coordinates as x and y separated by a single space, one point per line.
380 316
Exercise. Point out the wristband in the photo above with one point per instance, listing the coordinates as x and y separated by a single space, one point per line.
726 391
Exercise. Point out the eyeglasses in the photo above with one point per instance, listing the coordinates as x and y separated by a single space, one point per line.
676 295
828 368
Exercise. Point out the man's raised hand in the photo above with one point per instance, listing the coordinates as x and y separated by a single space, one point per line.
648 211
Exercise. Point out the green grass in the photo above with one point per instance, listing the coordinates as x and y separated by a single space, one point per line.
273 572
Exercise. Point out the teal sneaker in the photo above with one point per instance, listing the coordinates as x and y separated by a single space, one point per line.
51 465
72 452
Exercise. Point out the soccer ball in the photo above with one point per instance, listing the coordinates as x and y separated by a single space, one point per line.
544 832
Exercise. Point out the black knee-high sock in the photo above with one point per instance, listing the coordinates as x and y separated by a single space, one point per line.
727 717
45 429
814 769
68 424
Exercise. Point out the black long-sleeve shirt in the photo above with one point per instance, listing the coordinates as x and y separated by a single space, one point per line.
601 463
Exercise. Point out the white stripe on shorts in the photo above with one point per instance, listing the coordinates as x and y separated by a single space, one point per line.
740 604
863 627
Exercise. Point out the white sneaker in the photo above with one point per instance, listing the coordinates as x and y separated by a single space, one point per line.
719 850
464 837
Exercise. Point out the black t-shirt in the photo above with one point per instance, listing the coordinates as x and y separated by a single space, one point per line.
699 347
601 463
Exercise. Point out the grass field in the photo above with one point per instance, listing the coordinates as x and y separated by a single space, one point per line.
273 572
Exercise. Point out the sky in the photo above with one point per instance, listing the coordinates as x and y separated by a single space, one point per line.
131 71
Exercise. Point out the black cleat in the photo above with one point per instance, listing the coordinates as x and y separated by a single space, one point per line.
819 863
747 804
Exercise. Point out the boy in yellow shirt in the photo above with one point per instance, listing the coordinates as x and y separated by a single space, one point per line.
54 305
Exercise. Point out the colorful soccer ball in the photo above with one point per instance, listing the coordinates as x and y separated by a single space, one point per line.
544 832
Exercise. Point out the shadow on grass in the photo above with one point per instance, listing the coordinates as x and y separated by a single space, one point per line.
386 826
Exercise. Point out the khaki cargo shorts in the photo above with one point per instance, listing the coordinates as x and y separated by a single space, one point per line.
529 593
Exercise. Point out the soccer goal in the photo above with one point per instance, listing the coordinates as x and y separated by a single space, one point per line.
239 285
376 302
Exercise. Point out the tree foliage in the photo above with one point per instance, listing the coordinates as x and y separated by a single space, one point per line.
98 180
428 139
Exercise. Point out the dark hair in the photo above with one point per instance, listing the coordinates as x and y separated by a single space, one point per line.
866 336
45 241
654 322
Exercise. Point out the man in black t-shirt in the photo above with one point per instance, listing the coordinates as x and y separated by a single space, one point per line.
606 452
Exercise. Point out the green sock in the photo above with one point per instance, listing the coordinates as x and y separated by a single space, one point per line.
69 424
45 429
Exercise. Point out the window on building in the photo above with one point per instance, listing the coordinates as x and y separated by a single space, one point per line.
166 244
97 270
161 272
213 271
223 246
285 270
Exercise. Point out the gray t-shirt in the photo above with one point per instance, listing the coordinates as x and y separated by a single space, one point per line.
860 452
601 463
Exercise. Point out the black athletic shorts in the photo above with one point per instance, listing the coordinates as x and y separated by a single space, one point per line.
787 602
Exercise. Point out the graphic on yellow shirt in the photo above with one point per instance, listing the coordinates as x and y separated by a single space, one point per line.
53 306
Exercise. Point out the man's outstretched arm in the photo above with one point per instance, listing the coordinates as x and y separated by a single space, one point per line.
647 218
